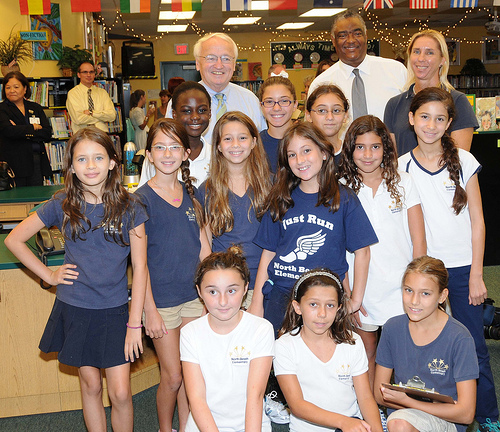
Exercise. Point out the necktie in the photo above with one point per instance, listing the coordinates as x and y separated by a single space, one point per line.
221 105
91 102
358 96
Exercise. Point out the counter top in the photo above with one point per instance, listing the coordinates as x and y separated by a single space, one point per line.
28 194
9 261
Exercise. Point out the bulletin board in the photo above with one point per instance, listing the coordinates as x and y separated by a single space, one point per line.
307 55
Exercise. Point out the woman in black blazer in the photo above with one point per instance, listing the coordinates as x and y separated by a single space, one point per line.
24 128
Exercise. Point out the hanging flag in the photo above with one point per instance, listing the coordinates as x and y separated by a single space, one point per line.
328 3
135 6
423 4
186 5
34 7
464 3
85 5
235 5
378 4
282 4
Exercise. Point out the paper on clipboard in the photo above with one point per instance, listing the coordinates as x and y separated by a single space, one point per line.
420 394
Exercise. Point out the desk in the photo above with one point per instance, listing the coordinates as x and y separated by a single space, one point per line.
34 382
16 203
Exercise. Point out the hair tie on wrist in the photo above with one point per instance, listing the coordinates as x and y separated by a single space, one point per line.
133 328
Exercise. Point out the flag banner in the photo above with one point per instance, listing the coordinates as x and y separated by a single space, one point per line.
378 4
423 4
282 4
85 5
235 5
186 5
135 6
328 3
465 3
34 7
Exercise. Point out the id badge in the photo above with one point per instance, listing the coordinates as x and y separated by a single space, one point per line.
34 120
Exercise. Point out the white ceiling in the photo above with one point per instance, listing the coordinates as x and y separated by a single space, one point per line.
211 17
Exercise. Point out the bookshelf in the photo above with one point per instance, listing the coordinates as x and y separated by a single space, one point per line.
480 85
51 93
253 85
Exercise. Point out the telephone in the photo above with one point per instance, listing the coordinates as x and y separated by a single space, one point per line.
50 241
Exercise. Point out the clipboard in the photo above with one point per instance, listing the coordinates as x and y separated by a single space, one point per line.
424 395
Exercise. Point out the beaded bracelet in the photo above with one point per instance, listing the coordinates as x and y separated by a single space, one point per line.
133 328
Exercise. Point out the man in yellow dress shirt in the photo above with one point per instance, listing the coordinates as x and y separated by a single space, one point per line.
87 104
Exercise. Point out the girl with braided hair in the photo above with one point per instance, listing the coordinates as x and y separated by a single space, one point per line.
446 178
176 244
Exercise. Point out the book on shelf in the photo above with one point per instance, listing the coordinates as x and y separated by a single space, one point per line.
55 152
116 126
54 179
40 92
110 87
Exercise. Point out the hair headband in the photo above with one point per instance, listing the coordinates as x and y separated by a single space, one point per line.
282 74
306 276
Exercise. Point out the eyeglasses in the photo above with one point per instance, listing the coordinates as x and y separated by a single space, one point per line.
323 112
175 148
87 72
211 58
269 103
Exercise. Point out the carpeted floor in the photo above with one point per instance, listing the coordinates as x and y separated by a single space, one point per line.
145 419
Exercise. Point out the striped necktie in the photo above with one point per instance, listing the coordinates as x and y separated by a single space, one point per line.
221 106
91 102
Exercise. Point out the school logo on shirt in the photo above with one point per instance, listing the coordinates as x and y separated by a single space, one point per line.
438 367
395 208
240 356
306 245
344 373
191 215
449 185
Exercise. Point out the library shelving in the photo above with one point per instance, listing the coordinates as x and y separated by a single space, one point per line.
480 85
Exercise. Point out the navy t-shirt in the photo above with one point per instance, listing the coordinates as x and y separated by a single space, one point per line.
244 229
310 236
448 359
271 148
173 247
101 263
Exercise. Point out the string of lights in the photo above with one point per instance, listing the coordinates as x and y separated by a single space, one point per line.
397 38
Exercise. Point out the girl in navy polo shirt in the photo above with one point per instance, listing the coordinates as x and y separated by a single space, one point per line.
89 324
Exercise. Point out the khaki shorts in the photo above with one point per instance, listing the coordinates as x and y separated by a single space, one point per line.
422 421
172 316
369 327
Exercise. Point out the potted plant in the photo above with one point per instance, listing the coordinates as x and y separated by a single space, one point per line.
72 58
12 51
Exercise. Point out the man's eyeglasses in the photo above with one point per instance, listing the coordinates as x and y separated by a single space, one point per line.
269 103
160 148
324 111
211 58
87 72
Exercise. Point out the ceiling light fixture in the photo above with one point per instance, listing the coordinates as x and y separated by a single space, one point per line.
241 20
164 28
322 12
294 26
169 15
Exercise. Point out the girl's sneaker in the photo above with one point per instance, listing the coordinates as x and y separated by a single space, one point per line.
383 420
489 426
275 409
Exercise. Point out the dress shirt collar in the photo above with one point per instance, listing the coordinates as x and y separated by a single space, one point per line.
364 67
